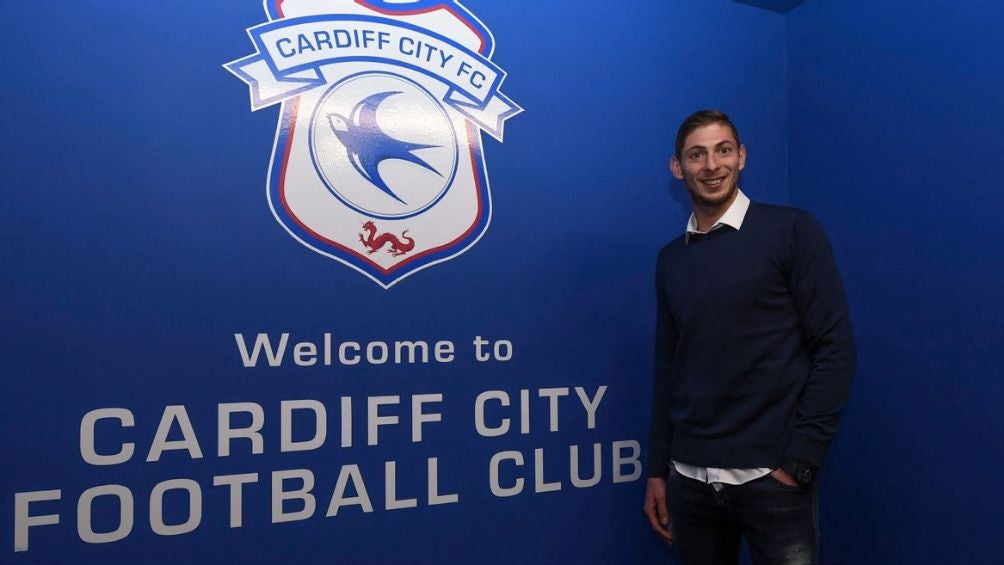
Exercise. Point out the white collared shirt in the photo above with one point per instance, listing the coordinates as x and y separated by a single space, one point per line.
732 217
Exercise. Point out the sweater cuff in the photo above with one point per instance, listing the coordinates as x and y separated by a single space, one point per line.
658 459
805 450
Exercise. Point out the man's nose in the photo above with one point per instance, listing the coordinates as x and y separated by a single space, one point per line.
709 163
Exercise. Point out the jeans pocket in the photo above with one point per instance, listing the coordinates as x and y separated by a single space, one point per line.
784 486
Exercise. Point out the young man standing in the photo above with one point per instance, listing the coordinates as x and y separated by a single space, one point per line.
753 364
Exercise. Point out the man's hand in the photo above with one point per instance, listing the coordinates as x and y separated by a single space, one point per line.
655 507
783 477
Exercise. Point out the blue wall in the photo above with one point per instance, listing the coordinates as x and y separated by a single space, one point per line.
896 117
138 241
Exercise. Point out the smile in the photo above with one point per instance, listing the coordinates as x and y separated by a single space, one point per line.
713 182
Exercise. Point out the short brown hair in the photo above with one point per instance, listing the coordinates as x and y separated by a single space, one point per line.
700 119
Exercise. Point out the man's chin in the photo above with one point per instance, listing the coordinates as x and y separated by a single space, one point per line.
712 201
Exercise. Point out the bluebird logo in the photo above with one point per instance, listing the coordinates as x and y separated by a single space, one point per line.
377 161
388 155
367 145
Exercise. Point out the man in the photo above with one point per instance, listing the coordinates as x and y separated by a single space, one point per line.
754 357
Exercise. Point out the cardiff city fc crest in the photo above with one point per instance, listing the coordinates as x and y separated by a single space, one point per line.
377 161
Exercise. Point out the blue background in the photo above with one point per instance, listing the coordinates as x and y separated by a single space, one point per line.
896 112
137 239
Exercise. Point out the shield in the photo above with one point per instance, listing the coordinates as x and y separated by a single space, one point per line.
378 161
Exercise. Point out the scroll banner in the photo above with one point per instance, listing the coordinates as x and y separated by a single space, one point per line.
291 53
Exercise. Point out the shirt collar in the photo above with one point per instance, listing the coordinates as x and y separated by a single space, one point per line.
732 217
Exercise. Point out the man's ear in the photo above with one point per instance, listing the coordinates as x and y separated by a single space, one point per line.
674 167
742 157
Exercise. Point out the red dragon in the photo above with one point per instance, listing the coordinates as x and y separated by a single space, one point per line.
375 243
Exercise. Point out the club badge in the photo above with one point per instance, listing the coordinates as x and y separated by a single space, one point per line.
377 161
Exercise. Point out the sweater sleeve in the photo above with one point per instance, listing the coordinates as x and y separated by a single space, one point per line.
661 432
826 333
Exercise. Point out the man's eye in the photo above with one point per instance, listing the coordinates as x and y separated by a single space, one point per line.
724 150
696 155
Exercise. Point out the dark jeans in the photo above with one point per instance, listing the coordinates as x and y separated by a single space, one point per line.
779 522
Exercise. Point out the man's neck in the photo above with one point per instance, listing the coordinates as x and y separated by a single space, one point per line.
707 216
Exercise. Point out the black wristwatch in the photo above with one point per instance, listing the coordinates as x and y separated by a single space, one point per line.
802 472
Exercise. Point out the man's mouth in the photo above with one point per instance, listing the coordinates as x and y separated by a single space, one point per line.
713 182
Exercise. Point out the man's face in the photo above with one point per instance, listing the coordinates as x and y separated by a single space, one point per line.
709 165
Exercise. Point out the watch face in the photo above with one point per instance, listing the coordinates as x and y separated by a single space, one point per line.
803 475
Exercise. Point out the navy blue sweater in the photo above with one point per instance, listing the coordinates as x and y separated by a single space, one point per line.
754 351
